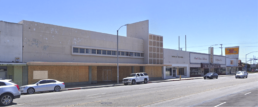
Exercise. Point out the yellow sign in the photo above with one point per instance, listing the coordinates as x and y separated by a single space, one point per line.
232 51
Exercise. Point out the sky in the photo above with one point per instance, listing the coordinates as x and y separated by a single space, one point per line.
204 22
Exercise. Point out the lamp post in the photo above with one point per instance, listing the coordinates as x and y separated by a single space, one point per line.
246 56
117 55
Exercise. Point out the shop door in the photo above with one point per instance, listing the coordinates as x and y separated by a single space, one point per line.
174 72
2 75
206 71
105 75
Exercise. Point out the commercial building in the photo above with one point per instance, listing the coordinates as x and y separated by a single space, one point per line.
191 64
78 56
34 51
11 66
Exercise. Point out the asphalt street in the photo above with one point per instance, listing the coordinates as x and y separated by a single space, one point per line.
224 91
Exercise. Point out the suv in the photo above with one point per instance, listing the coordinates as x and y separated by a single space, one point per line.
136 78
8 92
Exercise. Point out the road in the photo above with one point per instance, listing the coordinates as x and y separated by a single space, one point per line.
225 91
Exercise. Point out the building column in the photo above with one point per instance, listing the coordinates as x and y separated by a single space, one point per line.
164 72
24 75
17 77
90 72
188 71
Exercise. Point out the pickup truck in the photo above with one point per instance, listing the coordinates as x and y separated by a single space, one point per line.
136 78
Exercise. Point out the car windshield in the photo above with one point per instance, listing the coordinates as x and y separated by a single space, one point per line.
209 74
239 72
132 75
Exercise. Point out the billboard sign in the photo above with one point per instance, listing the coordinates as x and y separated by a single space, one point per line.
232 52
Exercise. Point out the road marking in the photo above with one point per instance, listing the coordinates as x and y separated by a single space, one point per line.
247 93
220 104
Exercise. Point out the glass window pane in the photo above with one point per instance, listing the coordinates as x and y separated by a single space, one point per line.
108 52
104 52
87 51
122 53
127 54
118 52
93 51
131 53
113 52
75 50
98 51
82 50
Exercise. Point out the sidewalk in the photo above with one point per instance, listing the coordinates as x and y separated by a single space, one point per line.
114 84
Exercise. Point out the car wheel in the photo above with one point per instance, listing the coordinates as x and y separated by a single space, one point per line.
133 82
6 99
57 89
30 91
217 77
145 81
246 77
125 83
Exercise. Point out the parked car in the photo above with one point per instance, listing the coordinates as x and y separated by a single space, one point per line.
8 92
211 75
43 85
241 74
136 78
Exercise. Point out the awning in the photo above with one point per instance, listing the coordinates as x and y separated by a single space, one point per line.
12 64
90 64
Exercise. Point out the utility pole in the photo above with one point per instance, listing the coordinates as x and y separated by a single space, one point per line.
185 43
221 49
178 42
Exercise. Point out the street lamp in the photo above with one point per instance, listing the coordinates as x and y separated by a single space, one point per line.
247 54
117 55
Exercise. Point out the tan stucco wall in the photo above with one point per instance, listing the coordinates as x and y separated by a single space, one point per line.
154 71
67 74
51 43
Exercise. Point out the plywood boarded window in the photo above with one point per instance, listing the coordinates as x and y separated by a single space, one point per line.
40 74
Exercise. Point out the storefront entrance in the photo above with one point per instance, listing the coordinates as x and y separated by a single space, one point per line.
170 72
3 72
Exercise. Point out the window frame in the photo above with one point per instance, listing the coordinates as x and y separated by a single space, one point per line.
94 50
75 51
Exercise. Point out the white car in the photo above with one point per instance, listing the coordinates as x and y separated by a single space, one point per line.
136 78
43 85
8 92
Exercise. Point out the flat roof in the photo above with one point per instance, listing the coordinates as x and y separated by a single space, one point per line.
90 64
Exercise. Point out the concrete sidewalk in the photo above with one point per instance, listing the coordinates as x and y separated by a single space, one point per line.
114 84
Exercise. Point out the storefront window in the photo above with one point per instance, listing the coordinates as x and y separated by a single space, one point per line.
168 71
222 71
195 72
181 71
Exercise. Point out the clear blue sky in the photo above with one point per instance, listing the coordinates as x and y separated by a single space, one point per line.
205 22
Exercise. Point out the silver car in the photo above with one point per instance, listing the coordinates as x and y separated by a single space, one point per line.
241 74
43 85
8 92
